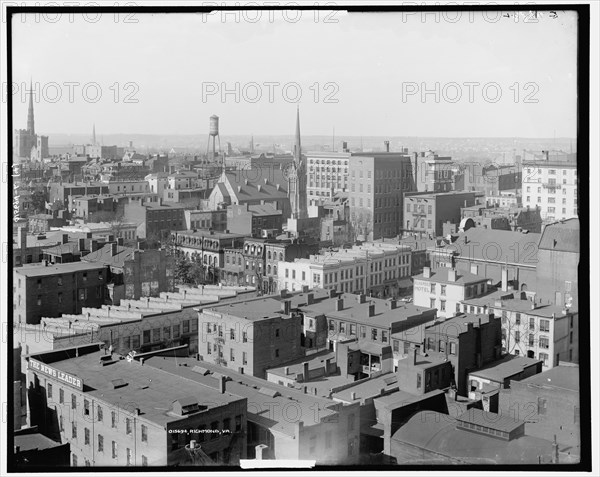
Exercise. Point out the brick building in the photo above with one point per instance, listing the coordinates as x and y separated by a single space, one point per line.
251 220
106 409
468 341
250 337
51 290
154 220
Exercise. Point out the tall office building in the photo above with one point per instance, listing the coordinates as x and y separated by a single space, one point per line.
377 183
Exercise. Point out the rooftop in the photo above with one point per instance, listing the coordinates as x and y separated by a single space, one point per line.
509 366
253 310
34 441
267 402
153 391
354 311
561 236
456 325
104 255
565 377
438 433
369 388
39 270
440 275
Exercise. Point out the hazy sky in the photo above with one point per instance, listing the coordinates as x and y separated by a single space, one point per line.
374 64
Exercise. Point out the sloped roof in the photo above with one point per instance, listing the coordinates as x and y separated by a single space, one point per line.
561 236
104 255
258 184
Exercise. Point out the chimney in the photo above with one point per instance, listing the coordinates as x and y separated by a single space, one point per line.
261 450
339 304
387 146
113 249
306 373
286 306
415 354
222 380
353 395
22 237
304 288
393 304
120 241
81 244
371 309
65 238
287 370
94 246
332 293
426 272
111 238
310 298
452 275
327 363
361 298
504 279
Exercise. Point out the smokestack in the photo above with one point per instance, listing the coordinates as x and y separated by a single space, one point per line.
22 237
504 279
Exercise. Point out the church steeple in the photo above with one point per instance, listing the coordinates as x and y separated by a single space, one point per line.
30 120
297 146
94 134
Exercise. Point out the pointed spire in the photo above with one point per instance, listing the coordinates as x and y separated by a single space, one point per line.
30 119
297 145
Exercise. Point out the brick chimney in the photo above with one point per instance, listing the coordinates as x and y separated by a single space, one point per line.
371 310
339 304
310 298
426 272
286 306
452 275
306 373
65 238
113 249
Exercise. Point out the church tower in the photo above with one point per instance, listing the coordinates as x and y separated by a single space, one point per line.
297 177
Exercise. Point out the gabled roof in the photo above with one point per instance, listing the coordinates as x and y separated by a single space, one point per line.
258 184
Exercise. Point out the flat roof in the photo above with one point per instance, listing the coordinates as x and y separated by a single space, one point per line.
504 368
296 366
39 270
565 377
402 398
253 310
34 441
269 407
152 390
359 312
369 388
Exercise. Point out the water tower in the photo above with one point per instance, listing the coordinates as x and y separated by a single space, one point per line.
213 133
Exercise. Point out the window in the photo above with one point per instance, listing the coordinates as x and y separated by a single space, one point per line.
453 348
49 390
144 433
86 436
74 460
517 336
531 340
277 353
442 346
244 337
419 381
144 461
396 346
544 357
532 323
61 396
545 325
443 290
443 305
374 334
231 354
518 319
73 401
113 419
432 303
351 422
86 407
129 456
114 450
432 288
74 430
542 406
544 342
384 336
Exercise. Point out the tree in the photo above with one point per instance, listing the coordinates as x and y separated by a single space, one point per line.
182 270
38 201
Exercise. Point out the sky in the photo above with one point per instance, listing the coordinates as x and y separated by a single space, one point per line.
361 73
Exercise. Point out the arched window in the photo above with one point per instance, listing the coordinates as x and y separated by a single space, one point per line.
269 269
269 255
281 256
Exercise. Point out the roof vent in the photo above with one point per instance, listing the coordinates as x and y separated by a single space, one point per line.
118 383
